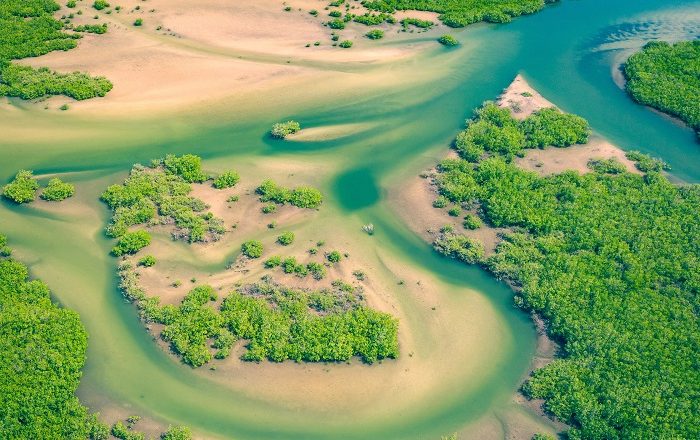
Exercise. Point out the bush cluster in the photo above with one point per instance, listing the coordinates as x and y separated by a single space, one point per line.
160 196
227 179
281 130
57 190
22 189
301 197
493 129
252 249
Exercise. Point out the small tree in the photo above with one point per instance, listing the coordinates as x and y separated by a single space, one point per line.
57 190
281 130
286 238
448 40
22 189
131 242
227 179
252 249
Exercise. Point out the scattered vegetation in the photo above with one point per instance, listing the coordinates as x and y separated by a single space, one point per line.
22 189
281 130
301 197
345 44
131 242
147 261
610 261
159 196
57 190
28 29
667 77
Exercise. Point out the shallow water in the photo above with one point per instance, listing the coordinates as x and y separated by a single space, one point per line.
570 52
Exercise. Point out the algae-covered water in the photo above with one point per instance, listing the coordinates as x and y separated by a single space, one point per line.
570 52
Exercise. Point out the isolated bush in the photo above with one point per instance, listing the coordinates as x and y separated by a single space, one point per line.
227 179
22 189
57 190
375 34
252 249
286 238
281 130
448 40
147 261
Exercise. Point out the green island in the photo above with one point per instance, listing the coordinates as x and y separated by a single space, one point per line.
28 29
277 322
667 77
609 259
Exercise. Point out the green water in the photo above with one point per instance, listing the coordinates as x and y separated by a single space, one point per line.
569 52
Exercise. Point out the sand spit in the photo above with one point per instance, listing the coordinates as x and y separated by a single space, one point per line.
193 54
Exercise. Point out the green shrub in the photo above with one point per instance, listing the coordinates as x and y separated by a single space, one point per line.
317 270
301 197
187 166
147 261
281 130
177 433
375 34
345 44
471 222
227 179
550 127
22 189
273 261
131 242
646 163
286 238
100 4
269 208
606 166
138 22
252 249
460 247
336 23
335 13
57 190
448 40
455 211
424 24
334 256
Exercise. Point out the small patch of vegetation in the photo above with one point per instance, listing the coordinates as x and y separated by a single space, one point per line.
345 44
252 249
100 4
606 166
448 40
281 130
375 34
286 238
57 190
301 197
226 179
334 257
472 222
147 261
138 22
22 189
646 163
131 242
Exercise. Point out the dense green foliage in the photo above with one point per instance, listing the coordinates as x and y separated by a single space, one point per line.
92 28
177 433
458 13
667 77
28 29
160 196
131 242
375 34
286 238
252 249
279 323
187 166
281 130
29 83
22 189
57 190
42 351
612 263
448 40
493 129
301 197
227 179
